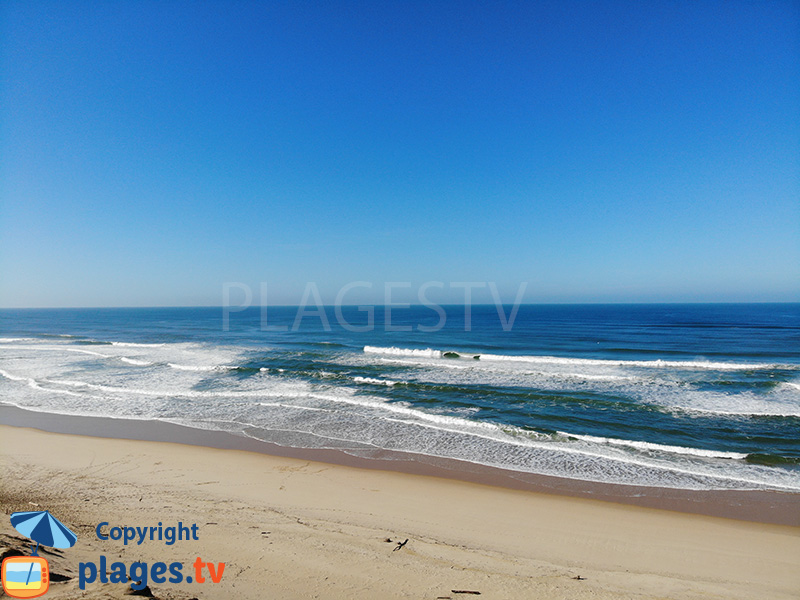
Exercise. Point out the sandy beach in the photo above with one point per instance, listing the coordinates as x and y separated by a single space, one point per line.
289 528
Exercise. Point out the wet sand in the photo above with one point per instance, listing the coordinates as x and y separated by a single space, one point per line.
288 527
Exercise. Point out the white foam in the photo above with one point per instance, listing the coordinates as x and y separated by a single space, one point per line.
60 349
114 389
472 372
89 352
403 409
181 356
658 364
669 390
181 393
32 383
427 353
202 367
509 437
292 406
374 381
8 375
778 402
559 360
758 411
639 445
133 361
279 404
449 364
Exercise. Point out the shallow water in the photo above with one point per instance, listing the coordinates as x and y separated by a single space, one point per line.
684 396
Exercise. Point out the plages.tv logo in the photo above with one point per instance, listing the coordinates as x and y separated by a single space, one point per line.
29 576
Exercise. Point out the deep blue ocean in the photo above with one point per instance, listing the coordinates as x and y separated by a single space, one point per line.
703 396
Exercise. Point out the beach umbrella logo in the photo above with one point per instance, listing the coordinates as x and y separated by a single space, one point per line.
29 576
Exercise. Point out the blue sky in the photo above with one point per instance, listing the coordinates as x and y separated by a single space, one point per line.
600 151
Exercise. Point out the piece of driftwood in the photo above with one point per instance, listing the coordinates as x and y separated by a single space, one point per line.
466 592
400 545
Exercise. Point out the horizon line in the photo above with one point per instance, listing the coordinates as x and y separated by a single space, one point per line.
401 306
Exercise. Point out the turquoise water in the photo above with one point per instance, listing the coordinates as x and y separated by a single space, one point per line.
683 396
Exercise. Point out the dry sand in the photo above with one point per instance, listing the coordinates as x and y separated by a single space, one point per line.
289 528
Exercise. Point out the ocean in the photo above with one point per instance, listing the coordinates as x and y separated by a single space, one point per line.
693 396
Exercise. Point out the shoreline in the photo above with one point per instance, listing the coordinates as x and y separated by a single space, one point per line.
767 506
290 528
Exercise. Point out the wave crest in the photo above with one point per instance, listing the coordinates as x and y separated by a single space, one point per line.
393 351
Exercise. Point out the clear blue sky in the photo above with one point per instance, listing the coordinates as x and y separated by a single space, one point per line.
600 151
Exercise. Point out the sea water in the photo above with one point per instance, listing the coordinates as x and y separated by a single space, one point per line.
702 396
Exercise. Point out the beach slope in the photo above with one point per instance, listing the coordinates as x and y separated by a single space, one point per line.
288 528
